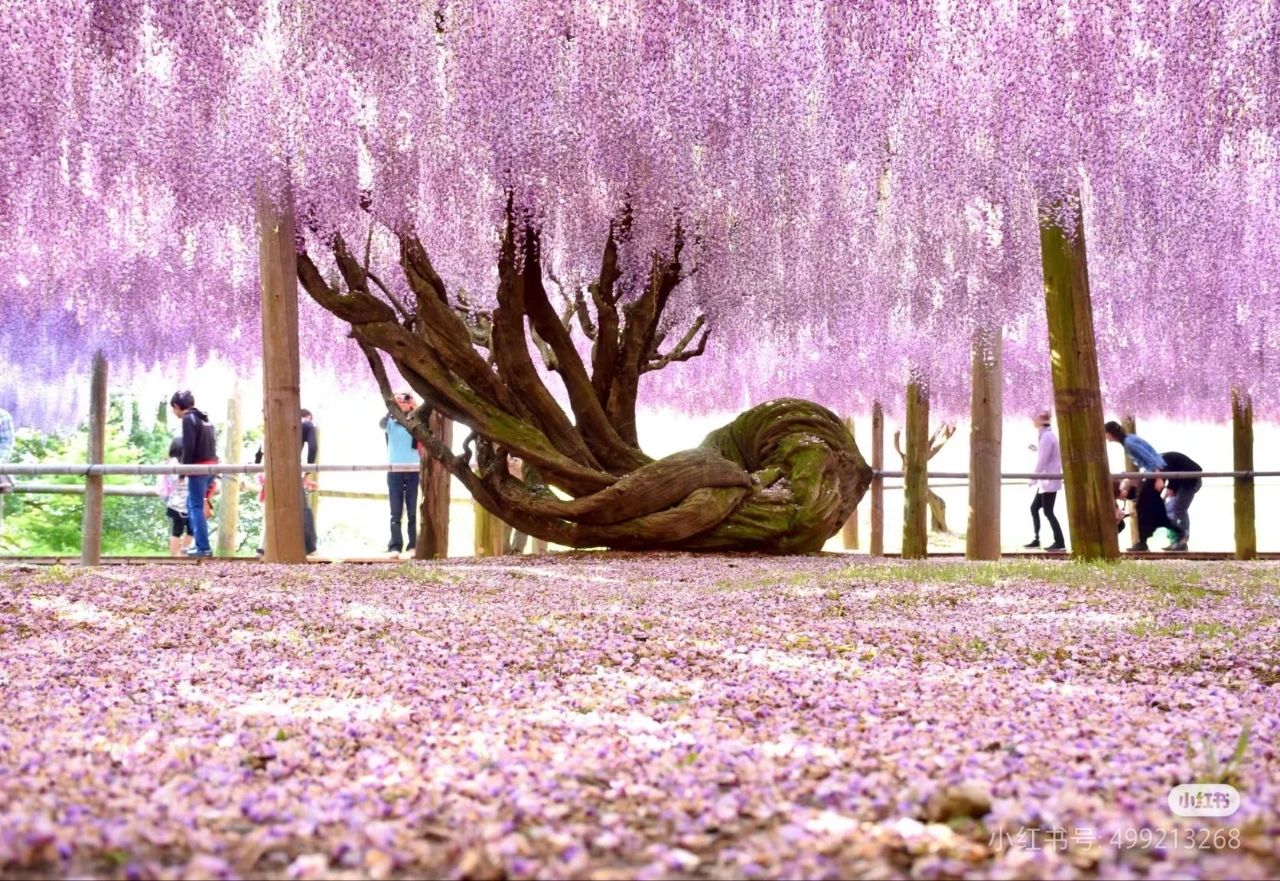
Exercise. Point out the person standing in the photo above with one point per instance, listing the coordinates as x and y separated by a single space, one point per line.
6 447
1178 494
1147 459
199 447
402 486
515 539
1048 461
6 450
310 449
173 489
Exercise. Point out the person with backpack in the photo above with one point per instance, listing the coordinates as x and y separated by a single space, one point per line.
199 447
1151 511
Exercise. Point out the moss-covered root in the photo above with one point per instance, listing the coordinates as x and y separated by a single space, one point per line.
807 477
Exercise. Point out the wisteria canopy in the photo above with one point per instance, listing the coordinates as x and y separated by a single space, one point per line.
859 182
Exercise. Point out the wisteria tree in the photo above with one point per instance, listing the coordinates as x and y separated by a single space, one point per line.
862 188
782 477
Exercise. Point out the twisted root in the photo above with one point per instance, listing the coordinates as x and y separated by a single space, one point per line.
781 478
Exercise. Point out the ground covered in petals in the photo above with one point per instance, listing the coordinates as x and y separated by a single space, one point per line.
603 715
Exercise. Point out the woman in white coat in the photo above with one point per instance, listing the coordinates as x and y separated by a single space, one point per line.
1048 461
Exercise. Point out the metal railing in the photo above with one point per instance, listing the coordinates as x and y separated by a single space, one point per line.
24 469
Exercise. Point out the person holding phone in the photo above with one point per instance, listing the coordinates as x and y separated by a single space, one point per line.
402 486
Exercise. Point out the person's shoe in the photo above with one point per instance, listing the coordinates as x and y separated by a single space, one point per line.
1179 545
1034 543
194 552
1056 547
1140 546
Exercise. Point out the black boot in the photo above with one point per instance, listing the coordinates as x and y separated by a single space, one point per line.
1034 543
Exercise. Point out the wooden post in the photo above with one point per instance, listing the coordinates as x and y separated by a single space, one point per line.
1077 393
877 482
278 274
849 534
91 524
986 434
915 488
1242 460
229 503
435 482
490 533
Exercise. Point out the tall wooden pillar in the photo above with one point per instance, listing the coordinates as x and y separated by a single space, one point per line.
1076 390
229 504
1242 460
915 483
433 513
877 482
91 523
278 275
849 533
986 435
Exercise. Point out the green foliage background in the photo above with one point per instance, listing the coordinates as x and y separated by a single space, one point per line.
43 524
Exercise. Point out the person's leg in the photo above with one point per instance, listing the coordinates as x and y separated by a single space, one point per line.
177 525
1179 515
197 485
395 491
308 526
1036 505
1050 499
411 505
1151 513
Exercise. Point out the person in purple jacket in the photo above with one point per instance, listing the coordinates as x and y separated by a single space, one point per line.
1048 461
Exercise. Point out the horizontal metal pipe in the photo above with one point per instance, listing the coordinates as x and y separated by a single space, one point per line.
1019 475
23 469
26 469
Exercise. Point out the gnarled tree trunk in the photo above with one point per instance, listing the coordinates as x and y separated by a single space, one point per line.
782 477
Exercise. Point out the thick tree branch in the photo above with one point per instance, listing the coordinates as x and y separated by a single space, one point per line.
601 436
516 369
681 352
445 330
642 317
604 354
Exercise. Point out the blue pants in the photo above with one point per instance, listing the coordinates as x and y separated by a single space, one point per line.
1177 507
197 486
402 488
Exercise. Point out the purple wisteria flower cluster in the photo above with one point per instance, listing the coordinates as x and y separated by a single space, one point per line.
859 182
619 716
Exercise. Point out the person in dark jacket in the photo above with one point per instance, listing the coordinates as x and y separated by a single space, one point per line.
1149 508
310 449
199 447
1178 494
